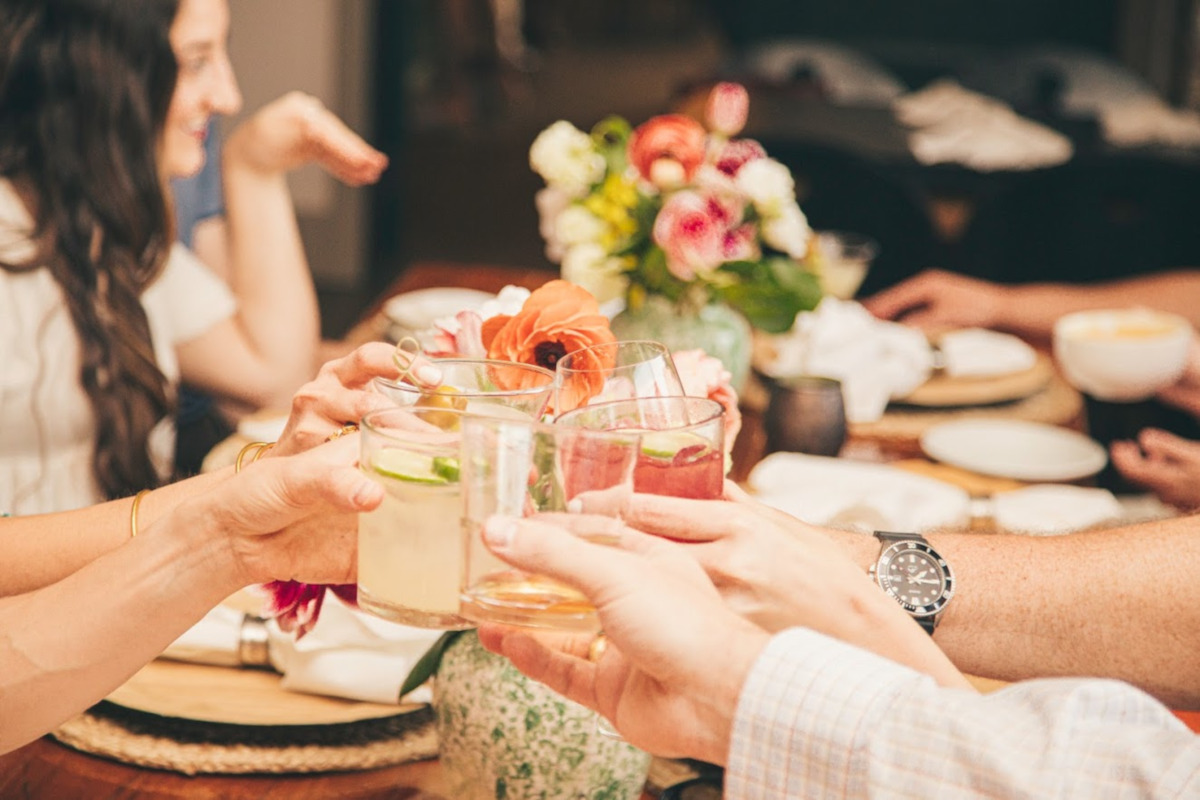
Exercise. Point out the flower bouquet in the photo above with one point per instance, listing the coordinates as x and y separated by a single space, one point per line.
678 210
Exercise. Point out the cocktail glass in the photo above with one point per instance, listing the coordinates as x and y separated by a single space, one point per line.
514 468
614 371
681 450
410 557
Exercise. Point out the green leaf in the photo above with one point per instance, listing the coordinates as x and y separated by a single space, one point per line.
770 293
427 665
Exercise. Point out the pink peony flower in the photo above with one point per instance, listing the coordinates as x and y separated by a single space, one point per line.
459 337
700 231
671 138
735 154
728 106
296 606
705 376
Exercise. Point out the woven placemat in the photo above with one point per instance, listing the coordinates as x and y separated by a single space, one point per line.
194 747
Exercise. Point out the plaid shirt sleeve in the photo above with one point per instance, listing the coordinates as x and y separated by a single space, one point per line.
820 718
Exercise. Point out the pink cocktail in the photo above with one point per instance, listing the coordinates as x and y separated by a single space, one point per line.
681 450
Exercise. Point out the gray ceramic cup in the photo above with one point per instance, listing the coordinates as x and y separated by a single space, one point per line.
806 414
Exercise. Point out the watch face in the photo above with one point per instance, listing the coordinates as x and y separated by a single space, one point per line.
914 574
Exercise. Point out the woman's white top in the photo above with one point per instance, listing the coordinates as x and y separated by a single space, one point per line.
47 427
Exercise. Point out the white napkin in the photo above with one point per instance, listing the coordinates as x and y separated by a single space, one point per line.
849 494
874 360
1052 509
979 353
347 654
954 124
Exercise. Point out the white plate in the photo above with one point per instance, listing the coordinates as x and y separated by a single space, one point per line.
1025 451
852 494
416 311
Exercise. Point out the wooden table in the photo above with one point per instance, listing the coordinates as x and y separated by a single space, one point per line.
46 769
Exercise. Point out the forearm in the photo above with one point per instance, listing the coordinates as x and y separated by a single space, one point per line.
50 547
64 647
1119 603
820 719
1032 309
277 304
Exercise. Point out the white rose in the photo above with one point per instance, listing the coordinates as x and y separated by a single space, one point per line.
551 202
768 184
590 266
788 231
508 301
565 158
576 225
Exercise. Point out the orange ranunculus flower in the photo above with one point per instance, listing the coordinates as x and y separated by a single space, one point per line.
667 149
558 318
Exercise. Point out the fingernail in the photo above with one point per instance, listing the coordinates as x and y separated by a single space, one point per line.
575 506
498 532
429 374
365 493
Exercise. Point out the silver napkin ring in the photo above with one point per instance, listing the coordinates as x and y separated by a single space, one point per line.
253 642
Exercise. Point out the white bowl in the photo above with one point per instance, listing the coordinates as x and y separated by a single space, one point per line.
1122 355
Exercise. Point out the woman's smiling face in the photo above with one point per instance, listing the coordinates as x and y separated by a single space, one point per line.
205 86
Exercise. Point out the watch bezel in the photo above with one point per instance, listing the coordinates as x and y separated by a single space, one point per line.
880 572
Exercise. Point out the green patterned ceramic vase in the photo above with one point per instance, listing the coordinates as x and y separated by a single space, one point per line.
715 328
505 737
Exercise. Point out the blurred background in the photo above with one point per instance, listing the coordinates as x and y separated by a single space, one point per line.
454 91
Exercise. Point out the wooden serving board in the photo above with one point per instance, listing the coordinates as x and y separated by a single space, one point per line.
238 696
944 391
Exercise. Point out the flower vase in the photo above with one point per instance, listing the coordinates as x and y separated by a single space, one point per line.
502 735
714 327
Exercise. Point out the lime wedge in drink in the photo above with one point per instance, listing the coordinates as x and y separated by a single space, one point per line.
412 467
446 467
669 444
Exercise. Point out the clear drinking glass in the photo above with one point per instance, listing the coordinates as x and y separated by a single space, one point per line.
478 385
514 468
681 450
409 548
614 371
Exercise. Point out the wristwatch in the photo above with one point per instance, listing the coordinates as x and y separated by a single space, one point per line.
915 575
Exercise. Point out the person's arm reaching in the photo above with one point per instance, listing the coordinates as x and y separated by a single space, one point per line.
812 716
1120 603
270 346
818 718
936 299
65 646
44 548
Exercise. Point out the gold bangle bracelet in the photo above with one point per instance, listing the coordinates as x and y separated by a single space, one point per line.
258 448
133 512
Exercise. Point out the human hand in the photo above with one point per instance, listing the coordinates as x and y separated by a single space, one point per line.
937 300
671 677
779 572
341 393
1164 463
297 129
292 518
1185 392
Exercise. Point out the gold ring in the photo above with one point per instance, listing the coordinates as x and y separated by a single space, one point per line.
597 647
349 427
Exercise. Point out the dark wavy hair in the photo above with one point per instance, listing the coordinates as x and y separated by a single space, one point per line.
84 91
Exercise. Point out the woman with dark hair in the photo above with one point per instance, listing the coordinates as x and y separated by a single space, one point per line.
102 102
